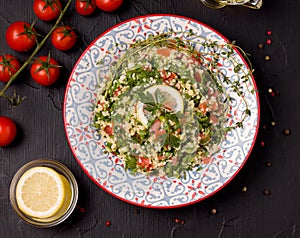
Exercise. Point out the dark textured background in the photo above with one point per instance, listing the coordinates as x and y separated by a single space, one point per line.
239 214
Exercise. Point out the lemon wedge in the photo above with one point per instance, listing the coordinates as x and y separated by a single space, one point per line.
40 192
173 101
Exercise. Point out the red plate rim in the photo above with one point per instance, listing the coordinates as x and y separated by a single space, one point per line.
143 205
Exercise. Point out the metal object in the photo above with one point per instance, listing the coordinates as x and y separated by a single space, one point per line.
216 4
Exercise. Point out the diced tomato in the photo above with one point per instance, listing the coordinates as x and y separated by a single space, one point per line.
108 130
161 157
214 106
144 163
206 160
164 52
198 77
168 107
160 132
116 93
203 107
213 119
102 104
172 76
163 74
156 128
202 136
167 78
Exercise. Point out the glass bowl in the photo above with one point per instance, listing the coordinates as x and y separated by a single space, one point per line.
67 209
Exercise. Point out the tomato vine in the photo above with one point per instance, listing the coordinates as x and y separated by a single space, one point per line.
16 99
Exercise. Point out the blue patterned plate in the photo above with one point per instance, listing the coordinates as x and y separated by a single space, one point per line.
107 170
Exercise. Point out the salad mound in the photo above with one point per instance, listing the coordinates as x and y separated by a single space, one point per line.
160 111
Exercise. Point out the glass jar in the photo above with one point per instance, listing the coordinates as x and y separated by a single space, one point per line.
71 194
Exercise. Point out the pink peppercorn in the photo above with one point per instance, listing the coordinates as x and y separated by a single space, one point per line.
107 223
268 41
82 210
177 220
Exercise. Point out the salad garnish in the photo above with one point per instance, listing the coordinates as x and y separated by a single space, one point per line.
162 107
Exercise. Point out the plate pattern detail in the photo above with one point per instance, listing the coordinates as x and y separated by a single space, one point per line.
106 170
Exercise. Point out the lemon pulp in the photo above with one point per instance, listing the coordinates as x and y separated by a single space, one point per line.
173 100
41 192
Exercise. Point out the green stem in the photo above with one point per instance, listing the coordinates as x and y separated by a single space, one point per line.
38 47
223 47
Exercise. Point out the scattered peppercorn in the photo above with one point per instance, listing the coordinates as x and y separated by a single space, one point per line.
273 123
267 192
287 132
264 127
268 41
107 223
271 92
213 211
260 46
82 210
244 189
267 58
180 221
268 164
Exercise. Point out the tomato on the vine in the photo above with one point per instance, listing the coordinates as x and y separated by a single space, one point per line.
47 10
63 38
109 5
85 7
8 131
45 70
9 65
21 36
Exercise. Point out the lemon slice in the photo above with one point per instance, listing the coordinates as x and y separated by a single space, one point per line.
40 192
173 101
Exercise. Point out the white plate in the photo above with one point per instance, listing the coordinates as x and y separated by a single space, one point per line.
106 170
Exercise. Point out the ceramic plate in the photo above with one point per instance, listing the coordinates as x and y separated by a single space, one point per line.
107 170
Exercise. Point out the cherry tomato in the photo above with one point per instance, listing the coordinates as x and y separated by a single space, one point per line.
85 7
108 5
45 70
20 36
9 65
63 38
8 131
47 10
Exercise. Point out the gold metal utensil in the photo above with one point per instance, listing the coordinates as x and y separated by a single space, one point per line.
216 4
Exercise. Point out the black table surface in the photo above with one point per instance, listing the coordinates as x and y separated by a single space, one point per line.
274 163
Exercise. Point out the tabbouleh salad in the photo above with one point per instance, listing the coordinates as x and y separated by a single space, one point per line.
160 112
